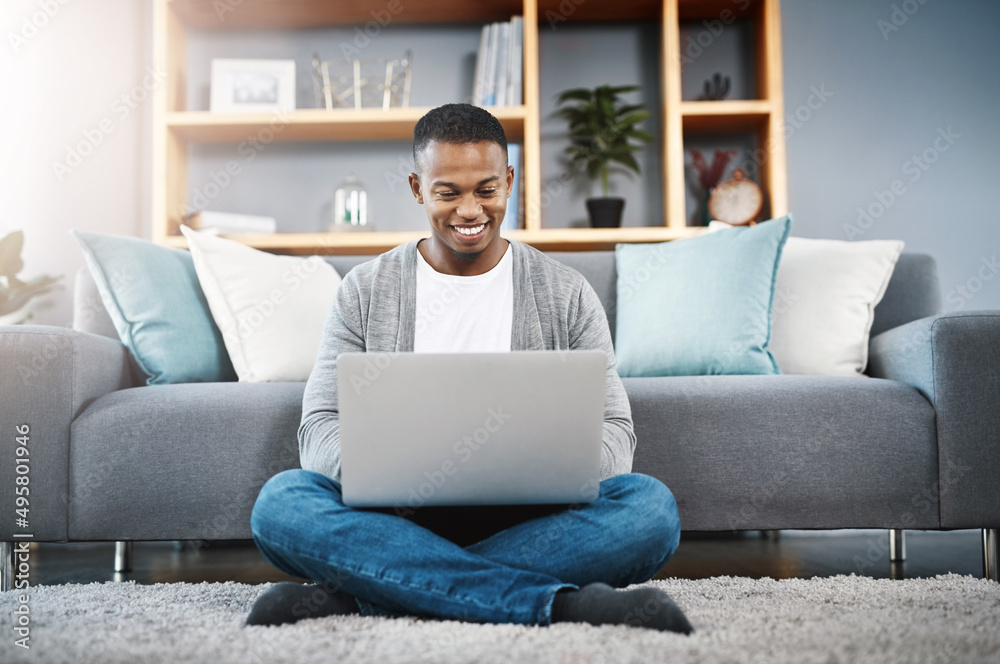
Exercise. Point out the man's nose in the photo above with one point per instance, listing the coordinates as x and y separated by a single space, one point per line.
469 207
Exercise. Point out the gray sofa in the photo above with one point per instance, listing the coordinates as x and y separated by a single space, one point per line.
916 445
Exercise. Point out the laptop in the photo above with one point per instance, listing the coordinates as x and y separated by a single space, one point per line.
515 428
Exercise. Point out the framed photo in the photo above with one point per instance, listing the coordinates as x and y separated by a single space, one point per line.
252 86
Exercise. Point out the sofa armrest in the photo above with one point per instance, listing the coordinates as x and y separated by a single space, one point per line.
49 375
954 360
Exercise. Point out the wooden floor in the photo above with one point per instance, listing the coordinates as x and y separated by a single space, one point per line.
794 554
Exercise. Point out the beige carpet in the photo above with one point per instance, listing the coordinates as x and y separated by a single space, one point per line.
847 619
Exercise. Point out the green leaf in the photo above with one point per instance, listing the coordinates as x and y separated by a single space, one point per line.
634 118
628 160
620 89
641 135
580 94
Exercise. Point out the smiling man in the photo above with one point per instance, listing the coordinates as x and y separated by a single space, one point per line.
527 565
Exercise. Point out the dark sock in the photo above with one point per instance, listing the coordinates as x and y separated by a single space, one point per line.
600 604
287 602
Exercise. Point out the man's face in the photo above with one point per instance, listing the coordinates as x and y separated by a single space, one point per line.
464 188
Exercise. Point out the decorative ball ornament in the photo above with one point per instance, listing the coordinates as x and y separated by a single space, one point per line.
736 201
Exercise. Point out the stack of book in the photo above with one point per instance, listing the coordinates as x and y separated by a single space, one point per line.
515 204
499 64
228 223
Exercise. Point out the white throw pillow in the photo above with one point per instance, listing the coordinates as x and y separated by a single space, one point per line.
270 308
824 303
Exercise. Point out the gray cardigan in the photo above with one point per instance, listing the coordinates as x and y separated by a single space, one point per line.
555 308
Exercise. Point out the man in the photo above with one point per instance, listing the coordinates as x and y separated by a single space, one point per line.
525 565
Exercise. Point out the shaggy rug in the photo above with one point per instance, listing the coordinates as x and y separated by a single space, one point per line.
853 619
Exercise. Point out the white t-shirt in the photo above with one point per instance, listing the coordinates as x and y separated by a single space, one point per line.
464 314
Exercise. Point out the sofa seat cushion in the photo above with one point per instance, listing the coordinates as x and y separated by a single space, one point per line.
166 462
763 452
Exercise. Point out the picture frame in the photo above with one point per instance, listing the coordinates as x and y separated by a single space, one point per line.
252 86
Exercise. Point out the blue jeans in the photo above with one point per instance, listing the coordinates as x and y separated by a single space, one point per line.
482 564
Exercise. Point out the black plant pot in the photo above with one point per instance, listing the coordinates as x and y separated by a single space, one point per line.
605 212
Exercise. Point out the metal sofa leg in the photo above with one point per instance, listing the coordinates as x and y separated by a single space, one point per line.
990 554
6 566
123 556
897 545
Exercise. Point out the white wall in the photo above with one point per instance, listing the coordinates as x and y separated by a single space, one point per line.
65 65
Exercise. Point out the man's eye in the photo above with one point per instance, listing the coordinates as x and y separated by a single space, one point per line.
487 192
447 194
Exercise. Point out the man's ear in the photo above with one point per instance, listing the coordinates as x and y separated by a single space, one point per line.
510 179
415 188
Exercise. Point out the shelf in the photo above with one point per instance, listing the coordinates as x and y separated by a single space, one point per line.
738 115
243 14
177 133
342 124
568 239
220 14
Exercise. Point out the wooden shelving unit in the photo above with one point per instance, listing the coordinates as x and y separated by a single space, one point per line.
175 127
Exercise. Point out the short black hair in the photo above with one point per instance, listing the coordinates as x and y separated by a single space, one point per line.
457 124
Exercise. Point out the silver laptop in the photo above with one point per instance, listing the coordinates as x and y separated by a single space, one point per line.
470 428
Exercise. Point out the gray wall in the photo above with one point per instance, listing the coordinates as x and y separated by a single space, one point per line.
893 96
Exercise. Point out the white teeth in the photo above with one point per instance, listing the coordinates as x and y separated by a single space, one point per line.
465 230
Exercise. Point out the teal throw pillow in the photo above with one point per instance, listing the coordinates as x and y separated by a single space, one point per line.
153 297
700 305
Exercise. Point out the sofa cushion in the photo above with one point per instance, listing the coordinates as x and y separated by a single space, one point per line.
269 308
154 300
699 305
825 298
749 452
179 461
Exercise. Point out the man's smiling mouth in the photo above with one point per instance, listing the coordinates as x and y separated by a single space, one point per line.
470 230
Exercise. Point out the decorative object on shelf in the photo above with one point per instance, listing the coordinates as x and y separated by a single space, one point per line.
350 206
362 83
737 201
600 128
716 88
500 64
252 86
708 177
230 223
14 293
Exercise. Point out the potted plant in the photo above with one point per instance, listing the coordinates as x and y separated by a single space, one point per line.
602 128
14 293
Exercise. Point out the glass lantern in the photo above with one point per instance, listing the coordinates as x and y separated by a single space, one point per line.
350 205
